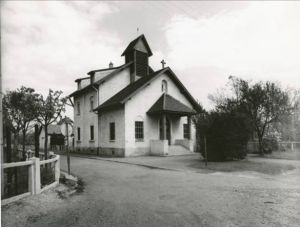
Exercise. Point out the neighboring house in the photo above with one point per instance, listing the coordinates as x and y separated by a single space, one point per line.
56 140
132 110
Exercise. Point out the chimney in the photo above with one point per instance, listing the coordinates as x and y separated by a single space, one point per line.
111 65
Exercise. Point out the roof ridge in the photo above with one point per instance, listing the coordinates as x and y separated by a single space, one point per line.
105 69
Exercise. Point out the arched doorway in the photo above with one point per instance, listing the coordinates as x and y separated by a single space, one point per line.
168 130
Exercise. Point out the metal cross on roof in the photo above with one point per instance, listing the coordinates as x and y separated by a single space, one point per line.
163 63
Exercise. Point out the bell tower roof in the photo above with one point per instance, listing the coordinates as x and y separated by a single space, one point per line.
139 43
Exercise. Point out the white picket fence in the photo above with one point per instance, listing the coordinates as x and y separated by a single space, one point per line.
34 175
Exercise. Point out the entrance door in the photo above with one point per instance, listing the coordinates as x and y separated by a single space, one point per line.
168 130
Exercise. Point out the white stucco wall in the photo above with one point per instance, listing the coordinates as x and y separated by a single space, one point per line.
136 108
85 120
105 118
114 85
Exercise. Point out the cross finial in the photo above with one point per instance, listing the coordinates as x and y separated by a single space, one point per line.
137 31
163 63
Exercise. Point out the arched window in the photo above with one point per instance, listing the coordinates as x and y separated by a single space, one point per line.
164 86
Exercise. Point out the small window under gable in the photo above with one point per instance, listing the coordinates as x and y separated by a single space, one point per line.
91 103
78 108
164 86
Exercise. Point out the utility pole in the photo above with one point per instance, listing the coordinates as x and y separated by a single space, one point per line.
68 151
65 131
205 150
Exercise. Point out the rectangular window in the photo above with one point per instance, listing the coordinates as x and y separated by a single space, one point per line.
78 108
112 135
186 132
78 133
139 130
92 132
91 103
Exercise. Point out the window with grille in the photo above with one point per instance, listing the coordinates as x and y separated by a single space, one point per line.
112 135
186 132
92 132
139 130
78 133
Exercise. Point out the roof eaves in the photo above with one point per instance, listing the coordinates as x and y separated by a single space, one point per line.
190 97
80 79
134 42
105 69
120 68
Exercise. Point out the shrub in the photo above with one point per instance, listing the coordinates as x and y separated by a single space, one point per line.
227 136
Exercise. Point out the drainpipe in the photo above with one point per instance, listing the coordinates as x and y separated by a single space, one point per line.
97 90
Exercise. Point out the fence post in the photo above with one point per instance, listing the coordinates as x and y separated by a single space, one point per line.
31 180
36 175
57 169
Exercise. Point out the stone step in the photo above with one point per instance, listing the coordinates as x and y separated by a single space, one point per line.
178 150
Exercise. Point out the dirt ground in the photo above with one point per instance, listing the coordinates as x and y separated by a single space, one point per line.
169 191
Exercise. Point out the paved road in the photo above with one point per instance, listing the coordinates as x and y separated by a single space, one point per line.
120 194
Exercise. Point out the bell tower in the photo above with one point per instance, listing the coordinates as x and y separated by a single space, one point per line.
138 52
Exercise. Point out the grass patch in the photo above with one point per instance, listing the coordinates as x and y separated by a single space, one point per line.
270 168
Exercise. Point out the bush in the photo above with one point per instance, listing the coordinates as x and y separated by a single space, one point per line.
227 134
269 145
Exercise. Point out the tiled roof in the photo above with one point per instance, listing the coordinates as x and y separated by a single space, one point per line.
53 129
119 99
132 44
65 120
168 104
117 69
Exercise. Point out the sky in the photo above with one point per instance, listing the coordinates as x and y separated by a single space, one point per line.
48 44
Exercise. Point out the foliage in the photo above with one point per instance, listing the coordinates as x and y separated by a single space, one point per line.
19 107
263 102
227 131
48 110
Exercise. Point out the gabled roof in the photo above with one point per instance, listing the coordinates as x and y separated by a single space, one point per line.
97 83
168 104
65 120
54 129
132 44
120 98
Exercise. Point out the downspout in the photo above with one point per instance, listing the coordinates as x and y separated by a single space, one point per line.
97 90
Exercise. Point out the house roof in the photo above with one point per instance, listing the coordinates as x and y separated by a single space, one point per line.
120 98
104 69
54 129
132 44
168 104
65 120
79 79
117 69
